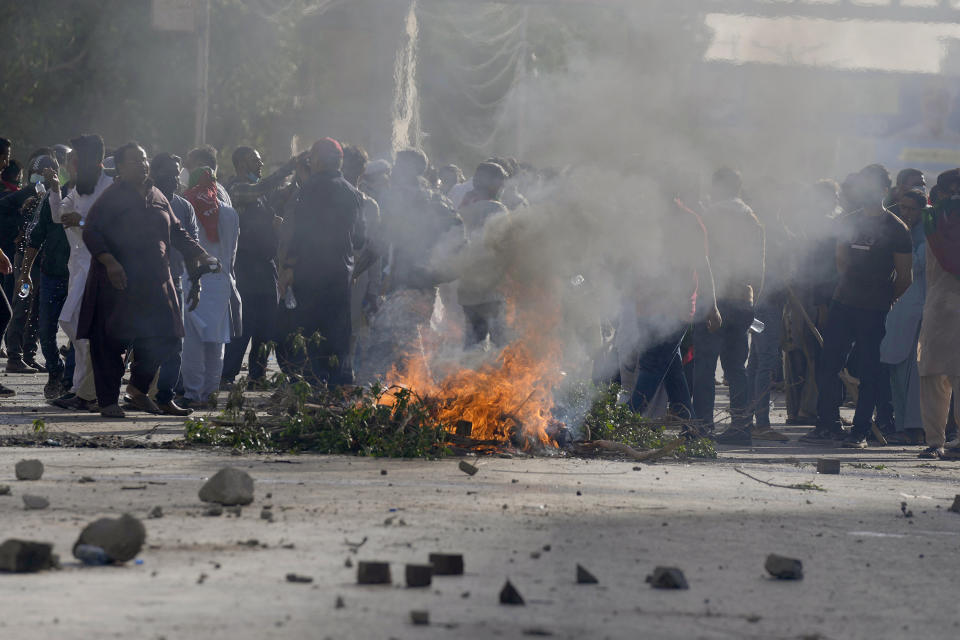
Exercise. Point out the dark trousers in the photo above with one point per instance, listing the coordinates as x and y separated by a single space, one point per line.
885 414
259 329
764 360
662 363
846 326
52 294
21 337
107 354
328 325
169 374
5 312
730 345
481 320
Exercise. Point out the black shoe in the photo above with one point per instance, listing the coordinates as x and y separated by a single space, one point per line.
854 441
931 453
819 435
64 401
6 392
54 387
735 436
17 365
33 364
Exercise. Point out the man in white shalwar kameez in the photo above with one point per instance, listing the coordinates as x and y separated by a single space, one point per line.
217 316
71 211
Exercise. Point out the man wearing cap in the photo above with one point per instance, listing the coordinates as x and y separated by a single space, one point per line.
328 225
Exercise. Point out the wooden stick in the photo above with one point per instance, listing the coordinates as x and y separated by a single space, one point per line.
799 487
806 317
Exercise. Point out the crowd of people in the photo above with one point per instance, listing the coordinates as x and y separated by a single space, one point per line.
840 293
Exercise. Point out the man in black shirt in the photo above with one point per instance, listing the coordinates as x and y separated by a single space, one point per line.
874 260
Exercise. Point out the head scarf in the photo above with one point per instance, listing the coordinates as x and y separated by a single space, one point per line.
202 194
942 226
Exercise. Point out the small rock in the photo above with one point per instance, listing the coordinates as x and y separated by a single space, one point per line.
29 470
955 507
419 575
667 578
906 512
383 472
339 604
120 538
784 568
266 514
585 577
235 511
467 468
510 595
447 564
35 502
294 577
420 617
373 573
156 512
348 564
214 510
86 479
229 486
828 465
4 489
24 556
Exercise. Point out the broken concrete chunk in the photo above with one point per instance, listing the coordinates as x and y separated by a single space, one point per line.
24 556
35 502
828 465
955 507
468 468
447 564
294 577
584 576
784 568
667 578
120 538
419 575
229 486
29 470
510 595
420 617
156 512
373 573
4 489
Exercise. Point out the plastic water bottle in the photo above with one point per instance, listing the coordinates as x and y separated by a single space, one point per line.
91 555
24 290
757 326
289 300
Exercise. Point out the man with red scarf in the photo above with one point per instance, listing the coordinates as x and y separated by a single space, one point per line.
938 354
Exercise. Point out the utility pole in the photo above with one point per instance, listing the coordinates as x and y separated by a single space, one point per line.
203 63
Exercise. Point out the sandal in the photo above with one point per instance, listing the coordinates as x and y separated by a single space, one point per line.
932 453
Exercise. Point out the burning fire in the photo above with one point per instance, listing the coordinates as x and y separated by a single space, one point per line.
512 394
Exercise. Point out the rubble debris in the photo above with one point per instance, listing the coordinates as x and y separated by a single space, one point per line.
907 513
464 428
236 511
156 512
373 573
468 468
86 479
955 507
120 538
784 568
339 604
266 514
29 470
419 617
667 578
25 556
35 502
4 489
229 486
295 577
383 472
447 564
214 510
828 466
510 595
584 576
419 575
537 631
348 564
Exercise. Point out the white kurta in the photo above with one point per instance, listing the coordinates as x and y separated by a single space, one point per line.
940 331
78 266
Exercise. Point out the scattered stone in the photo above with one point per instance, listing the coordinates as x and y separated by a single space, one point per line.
419 575
156 512
120 538
510 595
547 547
214 510
535 555
35 502
236 511
202 578
86 479
907 513
229 486
266 514
294 577
955 507
373 573
29 470
348 564
447 564
537 631
828 465
585 577
5 490
339 604
667 578
468 468
24 556
420 617
383 472
784 568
